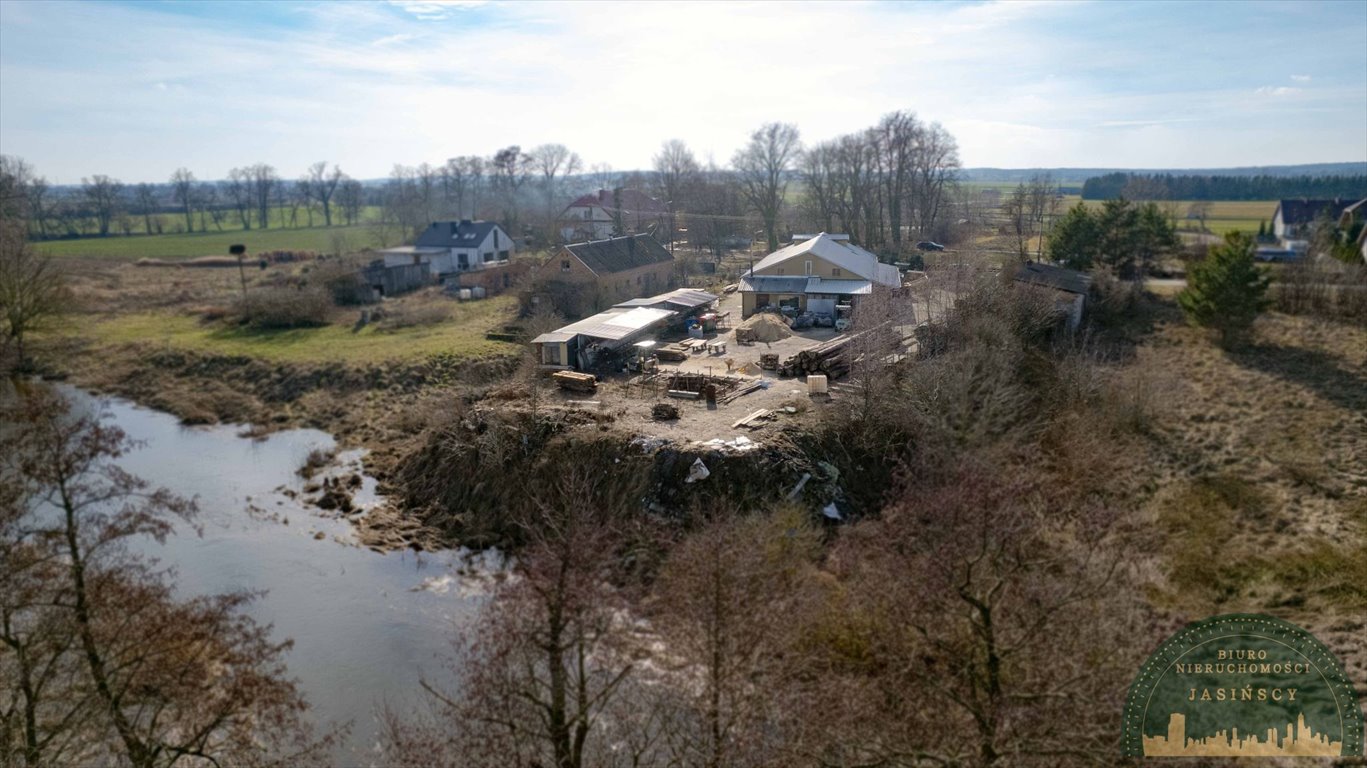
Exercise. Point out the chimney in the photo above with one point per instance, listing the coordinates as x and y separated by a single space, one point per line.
465 222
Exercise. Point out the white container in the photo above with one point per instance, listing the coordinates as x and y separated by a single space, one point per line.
464 294
477 292
816 384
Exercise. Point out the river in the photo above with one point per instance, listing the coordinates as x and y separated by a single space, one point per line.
366 626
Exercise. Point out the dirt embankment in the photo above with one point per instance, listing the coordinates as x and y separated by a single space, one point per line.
362 406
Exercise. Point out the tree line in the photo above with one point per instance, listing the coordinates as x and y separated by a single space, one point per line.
1194 187
880 185
252 196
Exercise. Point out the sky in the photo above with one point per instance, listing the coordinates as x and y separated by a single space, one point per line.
137 88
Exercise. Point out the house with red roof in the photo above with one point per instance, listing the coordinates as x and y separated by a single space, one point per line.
613 212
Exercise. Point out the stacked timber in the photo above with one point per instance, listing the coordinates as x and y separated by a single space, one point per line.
830 358
575 381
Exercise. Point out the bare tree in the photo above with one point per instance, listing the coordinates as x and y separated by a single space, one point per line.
145 197
676 172
33 293
238 189
425 179
182 190
102 194
545 659
351 198
146 680
322 184
762 167
263 180
553 162
510 169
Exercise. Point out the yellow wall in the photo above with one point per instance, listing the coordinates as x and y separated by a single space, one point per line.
797 267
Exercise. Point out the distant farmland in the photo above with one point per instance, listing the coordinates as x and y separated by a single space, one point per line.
182 245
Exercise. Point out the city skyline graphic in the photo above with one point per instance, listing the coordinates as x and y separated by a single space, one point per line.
1296 739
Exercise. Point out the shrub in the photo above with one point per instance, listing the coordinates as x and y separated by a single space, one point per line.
411 316
273 308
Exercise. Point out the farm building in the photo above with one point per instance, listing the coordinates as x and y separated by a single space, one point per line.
1069 285
816 274
600 215
583 344
684 301
605 271
392 280
449 247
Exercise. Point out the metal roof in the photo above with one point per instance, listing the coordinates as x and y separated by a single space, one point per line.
615 324
553 336
841 253
844 287
774 284
619 254
680 299
459 234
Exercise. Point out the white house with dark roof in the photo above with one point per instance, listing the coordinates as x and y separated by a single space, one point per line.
447 247
814 275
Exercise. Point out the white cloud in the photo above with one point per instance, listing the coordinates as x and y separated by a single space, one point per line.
435 10
1277 90
1301 78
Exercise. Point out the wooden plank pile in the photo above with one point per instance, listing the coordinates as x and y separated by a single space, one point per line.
742 390
829 357
575 381
752 421
673 353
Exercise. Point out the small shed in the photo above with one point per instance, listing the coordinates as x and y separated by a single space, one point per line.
1071 285
581 344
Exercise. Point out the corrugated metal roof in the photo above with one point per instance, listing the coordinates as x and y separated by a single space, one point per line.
680 298
553 336
618 254
774 284
617 324
844 287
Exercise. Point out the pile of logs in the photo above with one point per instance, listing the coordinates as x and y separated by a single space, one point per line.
829 357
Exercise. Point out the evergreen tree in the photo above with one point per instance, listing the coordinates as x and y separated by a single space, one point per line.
1073 239
1227 290
1262 229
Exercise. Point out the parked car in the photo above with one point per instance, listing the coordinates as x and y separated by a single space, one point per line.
926 245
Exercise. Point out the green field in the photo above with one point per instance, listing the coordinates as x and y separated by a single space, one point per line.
462 335
214 243
1223 215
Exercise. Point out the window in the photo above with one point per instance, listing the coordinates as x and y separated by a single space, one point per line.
835 272
565 266
780 270
809 268
502 255
552 351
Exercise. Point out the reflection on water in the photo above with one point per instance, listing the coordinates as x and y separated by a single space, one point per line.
365 626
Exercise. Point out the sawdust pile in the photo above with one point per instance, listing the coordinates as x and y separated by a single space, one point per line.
765 327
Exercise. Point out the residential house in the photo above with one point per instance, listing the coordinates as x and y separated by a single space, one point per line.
449 247
606 271
1294 218
602 214
815 274
1068 286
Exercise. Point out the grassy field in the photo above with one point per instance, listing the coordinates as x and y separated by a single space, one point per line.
1223 216
214 243
462 335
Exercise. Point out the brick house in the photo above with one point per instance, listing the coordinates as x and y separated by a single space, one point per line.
599 273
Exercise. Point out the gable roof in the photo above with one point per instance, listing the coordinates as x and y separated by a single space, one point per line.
842 253
629 200
619 254
1305 211
613 324
1049 276
457 234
